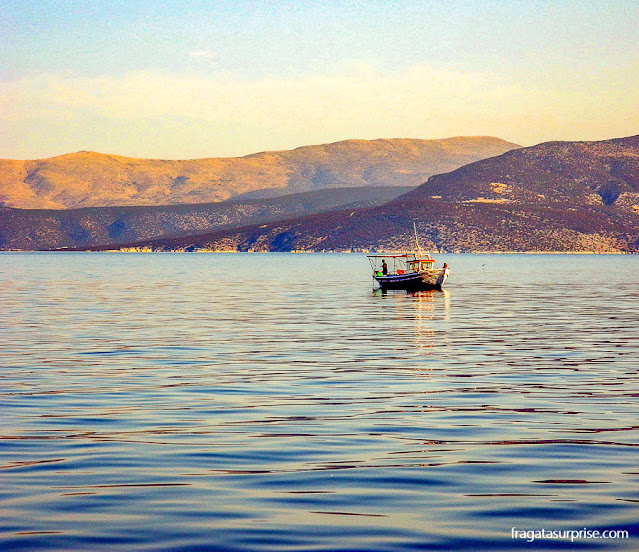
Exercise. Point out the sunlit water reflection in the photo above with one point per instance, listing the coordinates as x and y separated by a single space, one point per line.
192 402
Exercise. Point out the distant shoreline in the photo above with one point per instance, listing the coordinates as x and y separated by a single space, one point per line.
322 252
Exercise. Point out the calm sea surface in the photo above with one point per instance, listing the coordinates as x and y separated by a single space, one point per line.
261 402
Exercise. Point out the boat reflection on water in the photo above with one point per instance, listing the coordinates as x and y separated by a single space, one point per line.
422 313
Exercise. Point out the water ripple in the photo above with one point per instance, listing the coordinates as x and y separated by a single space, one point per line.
249 403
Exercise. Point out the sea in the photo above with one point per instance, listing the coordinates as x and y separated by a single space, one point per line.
197 402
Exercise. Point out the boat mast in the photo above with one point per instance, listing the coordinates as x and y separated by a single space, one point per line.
421 255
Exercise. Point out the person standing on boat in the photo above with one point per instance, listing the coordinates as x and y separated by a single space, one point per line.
384 267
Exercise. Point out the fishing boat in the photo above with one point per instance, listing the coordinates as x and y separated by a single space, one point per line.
409 271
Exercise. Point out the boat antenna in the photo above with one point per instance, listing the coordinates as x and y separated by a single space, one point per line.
417 241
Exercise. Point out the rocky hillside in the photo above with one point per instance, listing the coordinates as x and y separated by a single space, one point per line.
34 229
556 196
89 179
578 173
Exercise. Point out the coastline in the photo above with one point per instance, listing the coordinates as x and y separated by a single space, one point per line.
313 252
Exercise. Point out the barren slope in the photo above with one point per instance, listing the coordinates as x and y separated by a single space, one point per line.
33 229
89 179
557 196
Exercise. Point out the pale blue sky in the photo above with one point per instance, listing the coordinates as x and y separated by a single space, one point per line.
194 79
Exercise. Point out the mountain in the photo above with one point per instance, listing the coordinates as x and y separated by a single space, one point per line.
556 196
579 173
33 229
89 179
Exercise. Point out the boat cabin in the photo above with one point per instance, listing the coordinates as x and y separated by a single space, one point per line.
421 264
400 264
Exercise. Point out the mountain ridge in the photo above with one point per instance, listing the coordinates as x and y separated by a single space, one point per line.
92 179
36 229
556 196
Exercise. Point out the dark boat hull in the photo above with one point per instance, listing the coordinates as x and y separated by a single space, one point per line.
410 282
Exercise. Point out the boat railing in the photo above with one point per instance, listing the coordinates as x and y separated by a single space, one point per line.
400 264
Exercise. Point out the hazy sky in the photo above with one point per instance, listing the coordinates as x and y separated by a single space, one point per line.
185 79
